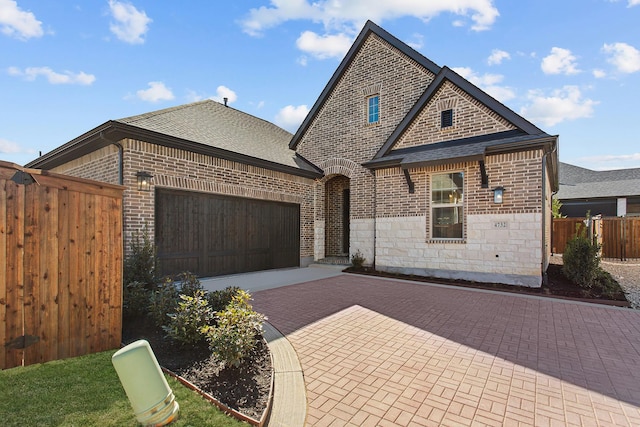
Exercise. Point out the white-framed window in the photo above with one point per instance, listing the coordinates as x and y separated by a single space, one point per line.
373 109
447 205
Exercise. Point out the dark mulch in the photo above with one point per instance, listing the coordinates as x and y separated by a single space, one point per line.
557 286
244 389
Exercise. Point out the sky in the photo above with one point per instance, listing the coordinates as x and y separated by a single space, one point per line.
572 67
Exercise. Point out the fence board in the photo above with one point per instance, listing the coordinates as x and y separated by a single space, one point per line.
3 268
64 281
564 229
14 273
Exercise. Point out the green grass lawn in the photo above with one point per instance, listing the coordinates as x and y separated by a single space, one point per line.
86 391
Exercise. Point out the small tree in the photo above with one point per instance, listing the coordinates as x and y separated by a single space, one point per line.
556 204
581 259
142 263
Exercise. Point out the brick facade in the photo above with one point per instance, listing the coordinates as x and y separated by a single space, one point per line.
184 170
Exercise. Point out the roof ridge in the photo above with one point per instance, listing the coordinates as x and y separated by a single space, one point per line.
138 117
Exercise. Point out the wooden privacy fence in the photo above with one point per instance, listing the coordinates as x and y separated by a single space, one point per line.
619 236
60 266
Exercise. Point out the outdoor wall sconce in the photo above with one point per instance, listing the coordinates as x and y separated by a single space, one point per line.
144 180
498 192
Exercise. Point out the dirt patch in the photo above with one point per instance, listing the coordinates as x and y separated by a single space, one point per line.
556 286
244 389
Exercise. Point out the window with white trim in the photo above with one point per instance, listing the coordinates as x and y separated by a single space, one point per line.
373 109
447 205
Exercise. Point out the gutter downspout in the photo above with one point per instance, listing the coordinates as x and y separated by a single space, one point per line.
543 271
120 157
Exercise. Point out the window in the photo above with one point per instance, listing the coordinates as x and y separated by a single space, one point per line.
373 109
446 118
447 205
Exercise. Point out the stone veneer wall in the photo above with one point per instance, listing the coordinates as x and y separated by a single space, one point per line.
500 248
184 170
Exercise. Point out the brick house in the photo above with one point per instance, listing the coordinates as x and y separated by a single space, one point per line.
399 159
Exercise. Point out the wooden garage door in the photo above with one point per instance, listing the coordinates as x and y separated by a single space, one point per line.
211 235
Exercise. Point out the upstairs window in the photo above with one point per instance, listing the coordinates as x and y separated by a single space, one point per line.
446 118
447 205
373 109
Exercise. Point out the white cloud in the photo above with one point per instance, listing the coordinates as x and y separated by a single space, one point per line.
634 3
560 61
224 92
130 24
561 105
9 147
351 15
488 83
66 77
497 56
17 23
291 117
624 57
599 74
157 92
323 47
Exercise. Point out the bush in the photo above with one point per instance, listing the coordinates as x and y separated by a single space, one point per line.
189 283
135 300
193 314
163 301
236 331
581 262
357 260
219 300
141 264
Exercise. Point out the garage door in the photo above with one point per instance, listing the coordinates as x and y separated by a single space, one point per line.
212 235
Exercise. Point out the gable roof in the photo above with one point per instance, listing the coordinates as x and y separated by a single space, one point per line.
581 183
205 127
525 136
368 29
446 74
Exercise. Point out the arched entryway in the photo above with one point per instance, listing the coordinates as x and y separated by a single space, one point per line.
337 214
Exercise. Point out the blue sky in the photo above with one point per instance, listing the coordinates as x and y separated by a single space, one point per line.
572 67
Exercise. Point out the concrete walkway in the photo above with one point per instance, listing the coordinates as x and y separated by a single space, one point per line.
392 353
269 279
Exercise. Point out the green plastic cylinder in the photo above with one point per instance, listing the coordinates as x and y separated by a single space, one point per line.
144 383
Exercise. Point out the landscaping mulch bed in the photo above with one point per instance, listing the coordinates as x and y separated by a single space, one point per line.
244 389
557 286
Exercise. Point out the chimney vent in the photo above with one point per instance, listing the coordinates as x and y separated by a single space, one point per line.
225 99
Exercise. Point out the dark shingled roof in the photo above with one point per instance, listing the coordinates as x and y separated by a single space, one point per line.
582 183
211 123
207 127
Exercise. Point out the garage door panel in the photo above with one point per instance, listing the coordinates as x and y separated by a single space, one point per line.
212 235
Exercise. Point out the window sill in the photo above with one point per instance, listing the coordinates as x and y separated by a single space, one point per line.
461 241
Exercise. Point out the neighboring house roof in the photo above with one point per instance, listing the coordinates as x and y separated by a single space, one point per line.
205 127
582 183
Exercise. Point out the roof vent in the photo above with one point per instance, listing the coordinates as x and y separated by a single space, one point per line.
225 99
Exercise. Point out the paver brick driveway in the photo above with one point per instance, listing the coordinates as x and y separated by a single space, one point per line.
384 352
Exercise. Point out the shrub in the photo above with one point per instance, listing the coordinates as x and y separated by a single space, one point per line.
192 315
219 300
581 262
135 300
142 262
163 301
357 260
189 283
236 331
